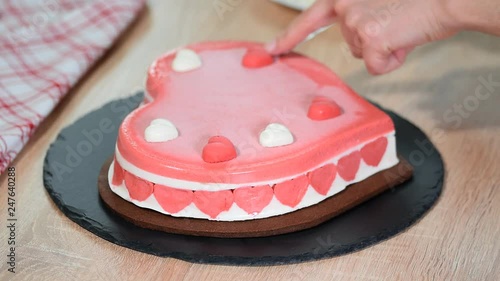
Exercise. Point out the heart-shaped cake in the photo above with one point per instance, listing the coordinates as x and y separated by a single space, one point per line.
228 132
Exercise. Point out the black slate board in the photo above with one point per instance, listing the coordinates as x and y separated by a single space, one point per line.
74 159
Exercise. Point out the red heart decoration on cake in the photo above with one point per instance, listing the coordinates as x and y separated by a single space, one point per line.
117 173
322 108
213 203
138 189
348 165
373 152
218 149
171 199
291 192
322 178
255 58
253 199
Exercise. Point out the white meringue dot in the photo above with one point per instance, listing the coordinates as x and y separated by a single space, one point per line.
161 121
274 135
160 130
186 60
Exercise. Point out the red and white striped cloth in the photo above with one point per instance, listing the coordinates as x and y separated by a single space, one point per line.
45 48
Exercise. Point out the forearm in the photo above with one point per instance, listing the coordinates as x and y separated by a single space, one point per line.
478 15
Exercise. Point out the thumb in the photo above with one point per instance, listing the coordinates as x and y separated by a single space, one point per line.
319 15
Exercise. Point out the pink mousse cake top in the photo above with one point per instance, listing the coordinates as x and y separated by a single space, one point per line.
225 98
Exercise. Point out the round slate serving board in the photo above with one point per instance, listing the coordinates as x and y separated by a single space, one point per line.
74 160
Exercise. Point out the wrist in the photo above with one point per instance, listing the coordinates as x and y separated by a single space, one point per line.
483 15
453 15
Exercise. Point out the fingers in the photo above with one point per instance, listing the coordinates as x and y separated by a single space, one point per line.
353 40
382 45
378 60
319 15
388 36
381 62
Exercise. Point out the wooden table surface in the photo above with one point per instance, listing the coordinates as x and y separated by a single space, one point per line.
437 89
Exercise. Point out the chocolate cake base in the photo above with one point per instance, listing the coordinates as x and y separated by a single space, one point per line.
352 196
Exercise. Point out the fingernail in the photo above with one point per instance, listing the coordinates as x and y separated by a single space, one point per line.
270 46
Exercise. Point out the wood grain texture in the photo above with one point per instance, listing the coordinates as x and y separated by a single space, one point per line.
457 240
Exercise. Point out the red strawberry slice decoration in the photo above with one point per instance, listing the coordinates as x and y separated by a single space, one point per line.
373 152
138 189
256 58
322 178
348 166
322 108
172 200
117 173
253 199
213 203
218 149
291 192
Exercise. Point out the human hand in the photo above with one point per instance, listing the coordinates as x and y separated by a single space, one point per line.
381 32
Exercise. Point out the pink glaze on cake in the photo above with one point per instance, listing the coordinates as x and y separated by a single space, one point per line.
225 98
